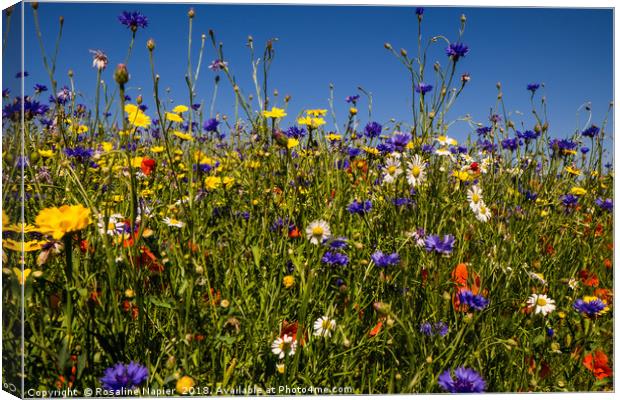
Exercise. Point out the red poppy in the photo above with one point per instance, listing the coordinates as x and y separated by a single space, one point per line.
148 260
604 294
147 166
294 233
459 275
376 329
607 263
588 278
597 362
291 329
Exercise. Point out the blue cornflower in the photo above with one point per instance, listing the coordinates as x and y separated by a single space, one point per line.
531 196
590 306
6 93
352 99
483 130
334 259
133 20
80 153
533 87
427 148
353 152
385 260
440 328
359 207
337 243
487 146
423 88
434 243
402 201
591 132
279 223
473 301
295 132
606 205
495 118
457 50
419 11
584 150
569 200
399 141
511 144
38 88
372 129
426 328
210 125
467 381
124 376
386 148
528 135
562 146
22 74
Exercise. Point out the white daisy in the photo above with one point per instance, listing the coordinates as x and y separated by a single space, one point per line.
115 225
324 326
174 222
416 174
444 151
538 277
474 195
318 231
446 141
392 170
573 283
483 213
283 346
541 304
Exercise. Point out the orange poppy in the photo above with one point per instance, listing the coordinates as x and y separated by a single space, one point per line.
597 362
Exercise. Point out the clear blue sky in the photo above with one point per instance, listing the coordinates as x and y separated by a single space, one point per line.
569 50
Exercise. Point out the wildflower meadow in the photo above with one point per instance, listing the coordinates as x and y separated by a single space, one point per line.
158 247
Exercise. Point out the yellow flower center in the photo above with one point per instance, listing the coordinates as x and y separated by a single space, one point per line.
317 231
415 171
475 198
541 302
326 325
391 169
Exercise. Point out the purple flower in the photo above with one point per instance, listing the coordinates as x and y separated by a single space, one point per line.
210 125
22 74
353 152
352 99
295 132
483 131
473 301
487 146
399 141
511 144
590 308
124 376
426 328
385 260
80 153
606 205
533 87
372 130
584 150
528 135
359 207
133 20
334 259
569 200
591 132
440 328
419 11
467 381
38 88
423 88
457 50
217 65
337 243
402 201
562 146
434 243
5 93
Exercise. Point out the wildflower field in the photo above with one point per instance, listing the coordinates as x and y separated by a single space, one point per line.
174 249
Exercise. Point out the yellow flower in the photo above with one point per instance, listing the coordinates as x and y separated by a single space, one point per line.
292 142
183 136
46 153
578 191
228 182
274 113
185 385
136 117
5 220
107 146
353 110
213 182
317 113
311 122
33 245
332 137
157 149
173 117
462 175
21 277
136 162
571 170
371 150
288 281
180 109
57 221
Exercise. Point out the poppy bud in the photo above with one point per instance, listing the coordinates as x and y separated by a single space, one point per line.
121 76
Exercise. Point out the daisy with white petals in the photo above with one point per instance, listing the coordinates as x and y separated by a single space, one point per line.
416 173
324 326
541 304
284 346
392 170
318 231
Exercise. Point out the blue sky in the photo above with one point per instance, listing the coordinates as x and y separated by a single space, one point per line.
569 50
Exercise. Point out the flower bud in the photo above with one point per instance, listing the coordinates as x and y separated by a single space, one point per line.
34 5
70 73
498 85
150 44
287 98
463 18
388 46
61 20
139 99
191 13
403 52
436 66
121 75
9 10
